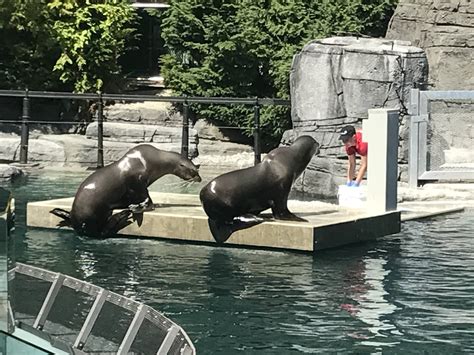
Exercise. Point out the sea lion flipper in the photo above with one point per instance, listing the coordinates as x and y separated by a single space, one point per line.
221 231
146 205
249 218
116 222
64 215
288 216
283 213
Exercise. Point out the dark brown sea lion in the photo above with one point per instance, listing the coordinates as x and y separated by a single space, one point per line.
122 185
239 196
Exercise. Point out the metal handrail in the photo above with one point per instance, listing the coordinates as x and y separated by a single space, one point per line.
175 334
101 97
175 99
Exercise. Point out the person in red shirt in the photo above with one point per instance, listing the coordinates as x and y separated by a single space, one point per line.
354 144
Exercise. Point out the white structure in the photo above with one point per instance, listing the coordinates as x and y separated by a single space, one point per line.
381 133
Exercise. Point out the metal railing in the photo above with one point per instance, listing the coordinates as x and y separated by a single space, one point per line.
172 338
99 98
423 136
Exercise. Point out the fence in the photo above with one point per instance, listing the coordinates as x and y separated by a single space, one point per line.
441 136
80 318
99 98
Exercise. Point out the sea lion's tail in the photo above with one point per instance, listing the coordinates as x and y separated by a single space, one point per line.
65 215
221 231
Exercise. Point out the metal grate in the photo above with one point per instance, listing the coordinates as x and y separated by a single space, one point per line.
441 136
451 135
85 318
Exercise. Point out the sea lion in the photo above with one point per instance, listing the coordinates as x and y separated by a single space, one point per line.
233 200
122 185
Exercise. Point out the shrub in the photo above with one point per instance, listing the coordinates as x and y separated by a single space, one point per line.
66 45
244 48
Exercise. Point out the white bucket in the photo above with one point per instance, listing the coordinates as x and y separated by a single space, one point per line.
352 197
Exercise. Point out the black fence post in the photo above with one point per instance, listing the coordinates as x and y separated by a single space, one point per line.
256 132
25 129
100 132
185 134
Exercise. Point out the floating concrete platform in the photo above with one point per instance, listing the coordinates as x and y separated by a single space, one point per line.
181 217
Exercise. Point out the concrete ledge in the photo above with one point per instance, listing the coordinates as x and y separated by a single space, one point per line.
361 230
428 209
181 217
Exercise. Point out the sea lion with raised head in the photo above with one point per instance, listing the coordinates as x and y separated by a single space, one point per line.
122 185
232 201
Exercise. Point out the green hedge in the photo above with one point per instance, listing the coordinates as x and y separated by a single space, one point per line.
244 48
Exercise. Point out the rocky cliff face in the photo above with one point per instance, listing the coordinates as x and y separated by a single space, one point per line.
445 30
334 82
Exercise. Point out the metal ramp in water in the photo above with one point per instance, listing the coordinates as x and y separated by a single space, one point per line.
74 326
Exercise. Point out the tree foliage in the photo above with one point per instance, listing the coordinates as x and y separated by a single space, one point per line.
244 48
63 44
28 51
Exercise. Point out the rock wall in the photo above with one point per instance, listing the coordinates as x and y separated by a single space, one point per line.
126 125
445 30
334 82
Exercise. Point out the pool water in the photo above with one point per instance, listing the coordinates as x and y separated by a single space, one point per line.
407 293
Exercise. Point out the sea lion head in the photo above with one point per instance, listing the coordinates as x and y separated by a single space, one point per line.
187 170
306 147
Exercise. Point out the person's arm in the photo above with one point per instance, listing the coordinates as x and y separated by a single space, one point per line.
351 168
362 169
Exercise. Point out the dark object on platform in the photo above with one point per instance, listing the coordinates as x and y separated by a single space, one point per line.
248 192
122 185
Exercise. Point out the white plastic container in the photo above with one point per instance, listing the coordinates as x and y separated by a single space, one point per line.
352 197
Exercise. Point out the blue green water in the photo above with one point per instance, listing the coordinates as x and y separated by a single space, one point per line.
408 293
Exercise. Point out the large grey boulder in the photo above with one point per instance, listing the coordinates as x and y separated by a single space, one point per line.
335 81
9 172
39 150
139 133
74 150
80 150
445 30
9 148
150 112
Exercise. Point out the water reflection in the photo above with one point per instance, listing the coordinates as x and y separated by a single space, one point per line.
371 305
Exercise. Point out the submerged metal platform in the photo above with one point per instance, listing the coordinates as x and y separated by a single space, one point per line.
181 217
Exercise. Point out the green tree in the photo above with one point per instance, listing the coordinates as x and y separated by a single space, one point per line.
28 51
92 36
63 44
244 48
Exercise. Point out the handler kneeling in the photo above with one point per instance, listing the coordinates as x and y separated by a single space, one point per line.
354 144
